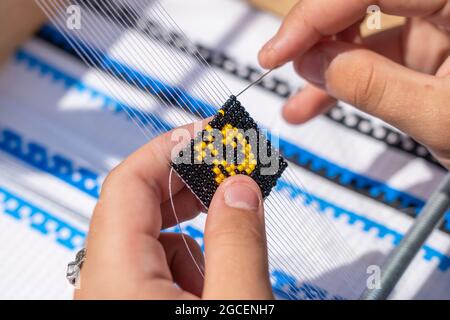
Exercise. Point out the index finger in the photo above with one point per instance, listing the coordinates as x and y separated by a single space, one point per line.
311 20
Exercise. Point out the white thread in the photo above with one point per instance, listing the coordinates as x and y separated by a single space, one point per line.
200 270
178 62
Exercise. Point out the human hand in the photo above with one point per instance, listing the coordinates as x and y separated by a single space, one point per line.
128 257
401 75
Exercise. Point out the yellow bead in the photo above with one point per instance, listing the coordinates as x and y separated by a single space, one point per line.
232 173
253 162
216 162
240 167
234 145
218 180
222 176
215 152
232 166
222 112
251 167
216 170
208 128
248 170
199 158
228 169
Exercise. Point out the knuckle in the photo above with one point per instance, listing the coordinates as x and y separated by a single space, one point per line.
355 77
370 87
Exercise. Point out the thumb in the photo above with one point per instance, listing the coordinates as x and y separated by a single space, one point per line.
235 243
415 103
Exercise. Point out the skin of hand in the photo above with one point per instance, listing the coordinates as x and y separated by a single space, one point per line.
400 75
128 257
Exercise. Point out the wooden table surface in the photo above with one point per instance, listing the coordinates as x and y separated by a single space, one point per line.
18 20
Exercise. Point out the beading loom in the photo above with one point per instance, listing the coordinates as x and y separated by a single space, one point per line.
294 231
64 126
162 80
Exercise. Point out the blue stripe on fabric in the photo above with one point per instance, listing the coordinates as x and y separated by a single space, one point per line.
44 68
303 157
40 220
286 287
368 224
37 156
167 93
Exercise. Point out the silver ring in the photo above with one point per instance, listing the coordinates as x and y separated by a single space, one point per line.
74 267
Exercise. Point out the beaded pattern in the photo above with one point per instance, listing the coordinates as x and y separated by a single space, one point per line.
233 123
233 137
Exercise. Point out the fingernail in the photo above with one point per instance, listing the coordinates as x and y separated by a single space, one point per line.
313 66
241 196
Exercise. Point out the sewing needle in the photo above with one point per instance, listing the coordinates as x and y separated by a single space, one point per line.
254 82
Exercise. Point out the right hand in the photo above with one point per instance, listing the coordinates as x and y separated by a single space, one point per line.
401 75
